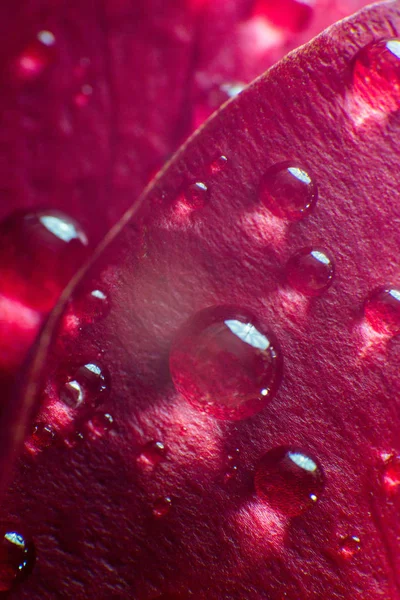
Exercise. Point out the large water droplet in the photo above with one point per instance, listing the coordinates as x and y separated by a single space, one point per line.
382 310
17 559
162 506
391 475
196 195
225 364
40 252
310 271
349 546
152 454
289 480
87 384
43 435
36 58
288 191
292 15
376 75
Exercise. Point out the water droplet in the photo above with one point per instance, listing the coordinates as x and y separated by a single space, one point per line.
288 191
40 252
225 364
81 99
218 165
196 195
87 384
162 506
152 454
211 97
36 58
231 472
292 15
376 75
391 475
92 306
310 271
234 455
349 546
289 480
43 435
382 310
232 89
17 559
101 423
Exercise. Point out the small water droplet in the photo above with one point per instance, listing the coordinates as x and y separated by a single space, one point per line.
310 271
234 455
376 75
17 559
74 438
82 98
289 480
391 475
43 435
225 364
40 252
36 58
382 310
152 454
87 384
162 506
349 546
92 306
232 89
288 191
231 472
196 195
291 15
218 165
100 423
211 97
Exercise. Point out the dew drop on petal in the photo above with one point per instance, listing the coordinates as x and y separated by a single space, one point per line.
40 252
82 98
230 473
218 165
101 423
391 476
92 306
382 310
35 58
310 271
289 480
349 546
196 195
376 75
87 384
288 191
162 506
225 364
43 435
291 15
17 559
152 454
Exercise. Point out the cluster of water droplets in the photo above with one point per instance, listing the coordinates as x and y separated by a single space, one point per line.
17 559
34 62
223 361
